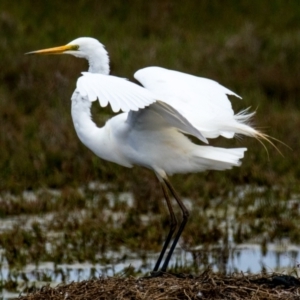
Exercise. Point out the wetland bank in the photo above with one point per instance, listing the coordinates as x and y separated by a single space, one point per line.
66 215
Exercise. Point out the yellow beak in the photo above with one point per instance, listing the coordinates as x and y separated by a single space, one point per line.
55 50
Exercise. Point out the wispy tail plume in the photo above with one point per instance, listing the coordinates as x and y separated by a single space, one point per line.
244 127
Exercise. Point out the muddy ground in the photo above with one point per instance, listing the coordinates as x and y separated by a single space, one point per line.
206 286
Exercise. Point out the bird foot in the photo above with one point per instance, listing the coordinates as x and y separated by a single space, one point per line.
161 273
155 274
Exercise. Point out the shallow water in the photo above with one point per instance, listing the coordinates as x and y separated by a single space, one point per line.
242 258
281 255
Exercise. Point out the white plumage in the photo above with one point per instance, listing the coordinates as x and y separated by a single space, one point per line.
152 129
120 93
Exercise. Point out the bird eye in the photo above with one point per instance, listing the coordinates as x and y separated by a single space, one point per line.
75 47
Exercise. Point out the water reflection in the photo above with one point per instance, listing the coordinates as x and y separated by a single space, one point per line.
241 258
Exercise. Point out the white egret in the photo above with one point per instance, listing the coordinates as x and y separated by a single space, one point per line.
156 118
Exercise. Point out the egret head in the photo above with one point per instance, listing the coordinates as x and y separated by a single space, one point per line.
83 47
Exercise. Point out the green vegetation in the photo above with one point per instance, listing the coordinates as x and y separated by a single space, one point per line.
251 47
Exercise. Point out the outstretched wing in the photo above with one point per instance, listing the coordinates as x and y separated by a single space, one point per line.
203 102
160 112
120 93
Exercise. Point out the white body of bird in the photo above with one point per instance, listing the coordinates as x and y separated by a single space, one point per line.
145 138
156 119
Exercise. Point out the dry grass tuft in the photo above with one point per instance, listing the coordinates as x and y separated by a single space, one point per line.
206 286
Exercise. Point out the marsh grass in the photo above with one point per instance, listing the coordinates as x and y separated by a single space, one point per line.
252 54
207 285
75 228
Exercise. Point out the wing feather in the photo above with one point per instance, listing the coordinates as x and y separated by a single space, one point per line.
202 101
168 115
120 93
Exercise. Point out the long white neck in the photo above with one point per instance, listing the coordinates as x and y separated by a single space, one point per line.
88 132
85 128
99 61
93 137
97 139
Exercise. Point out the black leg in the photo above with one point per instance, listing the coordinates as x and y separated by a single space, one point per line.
173 225
185 216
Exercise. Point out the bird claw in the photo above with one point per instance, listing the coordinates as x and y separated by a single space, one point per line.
161 273
155 274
